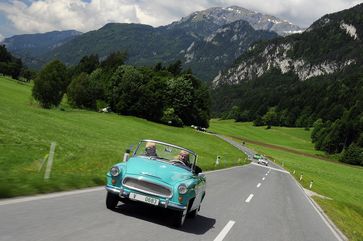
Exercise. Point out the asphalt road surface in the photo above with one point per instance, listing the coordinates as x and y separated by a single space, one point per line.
242 203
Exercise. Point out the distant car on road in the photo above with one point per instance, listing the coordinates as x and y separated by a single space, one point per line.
257 156
160 179
262 161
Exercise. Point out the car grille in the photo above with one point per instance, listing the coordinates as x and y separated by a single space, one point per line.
147 187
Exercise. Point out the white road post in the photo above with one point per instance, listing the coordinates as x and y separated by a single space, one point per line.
217 160
311 184
293 172
50 161
301 176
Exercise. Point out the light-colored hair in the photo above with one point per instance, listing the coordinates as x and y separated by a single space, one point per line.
150 149
150 144
186 158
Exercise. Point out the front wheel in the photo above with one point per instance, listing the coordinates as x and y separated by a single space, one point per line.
111 201
179 218
194 213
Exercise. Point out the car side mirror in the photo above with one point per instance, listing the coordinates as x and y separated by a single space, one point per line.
202 175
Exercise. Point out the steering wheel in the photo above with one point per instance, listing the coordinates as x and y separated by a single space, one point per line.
177 162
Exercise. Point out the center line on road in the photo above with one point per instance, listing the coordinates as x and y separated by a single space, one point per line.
258 185
249 198
263 178
266 174
224 231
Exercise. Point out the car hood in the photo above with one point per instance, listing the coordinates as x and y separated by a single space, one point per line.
155 169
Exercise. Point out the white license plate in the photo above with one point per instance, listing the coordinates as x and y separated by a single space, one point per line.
145 199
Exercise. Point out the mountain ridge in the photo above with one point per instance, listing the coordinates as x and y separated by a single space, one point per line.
147 45
330 44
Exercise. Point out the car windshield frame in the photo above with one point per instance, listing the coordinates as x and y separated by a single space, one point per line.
193 163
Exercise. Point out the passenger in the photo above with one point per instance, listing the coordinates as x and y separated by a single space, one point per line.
150 149
184 157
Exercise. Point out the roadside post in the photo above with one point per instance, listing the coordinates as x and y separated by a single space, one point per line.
311 184
50 161
218 160
293 172
301 176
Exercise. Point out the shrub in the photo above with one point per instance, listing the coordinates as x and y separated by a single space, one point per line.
50 85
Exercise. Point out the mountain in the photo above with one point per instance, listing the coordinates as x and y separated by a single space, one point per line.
313 79
204 23
329 45
144 44
30 46
217 51
206 41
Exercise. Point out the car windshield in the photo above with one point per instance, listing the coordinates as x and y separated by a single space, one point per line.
166 152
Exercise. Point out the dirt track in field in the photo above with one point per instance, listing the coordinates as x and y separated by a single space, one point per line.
275 147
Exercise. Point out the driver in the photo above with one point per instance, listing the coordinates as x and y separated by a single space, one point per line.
150 149
184 157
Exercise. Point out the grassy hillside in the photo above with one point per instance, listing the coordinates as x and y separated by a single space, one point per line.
88 143
340 182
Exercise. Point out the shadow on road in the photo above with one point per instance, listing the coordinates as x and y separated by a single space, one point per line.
161 216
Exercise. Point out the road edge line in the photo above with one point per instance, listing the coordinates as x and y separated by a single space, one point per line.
16 200
335 230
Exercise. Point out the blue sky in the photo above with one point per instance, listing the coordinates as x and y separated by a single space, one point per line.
34 16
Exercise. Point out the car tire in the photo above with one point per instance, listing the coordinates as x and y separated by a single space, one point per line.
179 218
194 213
111 201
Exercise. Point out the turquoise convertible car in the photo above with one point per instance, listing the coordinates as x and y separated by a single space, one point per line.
159 174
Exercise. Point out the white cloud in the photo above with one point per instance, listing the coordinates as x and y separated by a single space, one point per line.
47 15
1 37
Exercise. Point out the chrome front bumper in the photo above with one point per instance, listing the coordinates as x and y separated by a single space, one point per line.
162 203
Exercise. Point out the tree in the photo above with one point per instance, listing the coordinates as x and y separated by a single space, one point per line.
50 84
270 118
353 155
170 118
80 92
175 68
88 64
180 97
9 65
114 60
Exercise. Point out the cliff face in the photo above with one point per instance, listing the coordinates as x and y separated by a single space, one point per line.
327 46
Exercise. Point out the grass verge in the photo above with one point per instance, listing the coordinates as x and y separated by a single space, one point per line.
88 143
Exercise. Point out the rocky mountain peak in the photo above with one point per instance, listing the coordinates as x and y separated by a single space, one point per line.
218 16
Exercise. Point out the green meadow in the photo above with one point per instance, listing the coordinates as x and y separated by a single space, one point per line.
293 138
87 143
342 183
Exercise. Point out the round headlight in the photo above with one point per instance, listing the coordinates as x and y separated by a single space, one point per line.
115 171
182 189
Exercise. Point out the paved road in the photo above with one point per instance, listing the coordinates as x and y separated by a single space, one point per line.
242 203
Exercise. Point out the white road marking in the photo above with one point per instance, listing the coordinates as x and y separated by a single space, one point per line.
249 198
266 174
263 179
225 231
258 185
326 220
272 168
48 196
221 170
